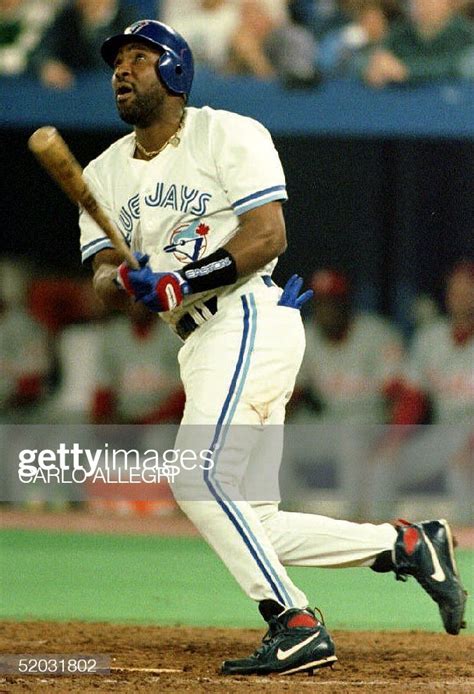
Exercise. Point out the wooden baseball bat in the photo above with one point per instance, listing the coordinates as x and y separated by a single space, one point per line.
55 156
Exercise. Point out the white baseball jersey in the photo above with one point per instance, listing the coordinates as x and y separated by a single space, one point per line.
184 204
240 365
349 376
445 371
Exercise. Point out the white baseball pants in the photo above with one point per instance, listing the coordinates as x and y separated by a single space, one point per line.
238 370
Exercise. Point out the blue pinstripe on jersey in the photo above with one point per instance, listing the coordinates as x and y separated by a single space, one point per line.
230 509
258 198
95 246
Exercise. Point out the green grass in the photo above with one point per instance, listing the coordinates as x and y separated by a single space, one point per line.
156 580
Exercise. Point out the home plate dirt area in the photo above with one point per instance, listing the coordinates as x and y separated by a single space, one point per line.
179 659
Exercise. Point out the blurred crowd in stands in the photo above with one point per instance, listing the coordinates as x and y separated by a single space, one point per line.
299 42
358 373
63 360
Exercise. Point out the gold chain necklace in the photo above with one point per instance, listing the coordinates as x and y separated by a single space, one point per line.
174 141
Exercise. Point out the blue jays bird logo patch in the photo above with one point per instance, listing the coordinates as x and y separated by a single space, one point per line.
188 242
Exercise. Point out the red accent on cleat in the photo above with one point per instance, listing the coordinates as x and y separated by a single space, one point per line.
410 540
402 521
303 620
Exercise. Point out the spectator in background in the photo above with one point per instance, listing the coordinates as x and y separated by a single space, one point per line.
22 26
69 310
137 382
434 42
209 27
148 8
320 16
441 375
72 43
24 356
344 50
442 355
351 359
348 382
466 7
25 363
255 37
137 379
248 46
290 47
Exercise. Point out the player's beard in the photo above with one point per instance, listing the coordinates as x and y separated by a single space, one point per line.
144 109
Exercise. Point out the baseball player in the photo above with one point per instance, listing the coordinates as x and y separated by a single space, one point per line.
198 194
24 362
137 372
351 359
439 371
348 380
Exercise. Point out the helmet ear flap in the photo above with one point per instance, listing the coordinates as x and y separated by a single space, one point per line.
171 72
158 68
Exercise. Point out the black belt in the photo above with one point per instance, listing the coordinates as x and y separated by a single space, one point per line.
187 325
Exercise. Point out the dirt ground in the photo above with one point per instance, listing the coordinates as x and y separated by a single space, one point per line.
395 662
84 521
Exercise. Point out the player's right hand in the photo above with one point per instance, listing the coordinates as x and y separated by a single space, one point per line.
137 283
158 291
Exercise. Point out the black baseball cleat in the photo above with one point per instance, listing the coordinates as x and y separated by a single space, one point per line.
295 642
426 551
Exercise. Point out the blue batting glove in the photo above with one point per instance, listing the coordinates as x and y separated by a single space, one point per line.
290 296
168 292
159 291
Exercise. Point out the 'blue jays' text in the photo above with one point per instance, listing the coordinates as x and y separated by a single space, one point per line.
178 197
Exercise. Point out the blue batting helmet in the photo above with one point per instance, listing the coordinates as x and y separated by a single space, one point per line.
175 66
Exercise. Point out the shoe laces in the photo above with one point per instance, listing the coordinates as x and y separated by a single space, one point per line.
274 628
402 569
317 612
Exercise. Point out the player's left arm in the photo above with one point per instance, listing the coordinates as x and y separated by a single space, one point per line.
261 238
